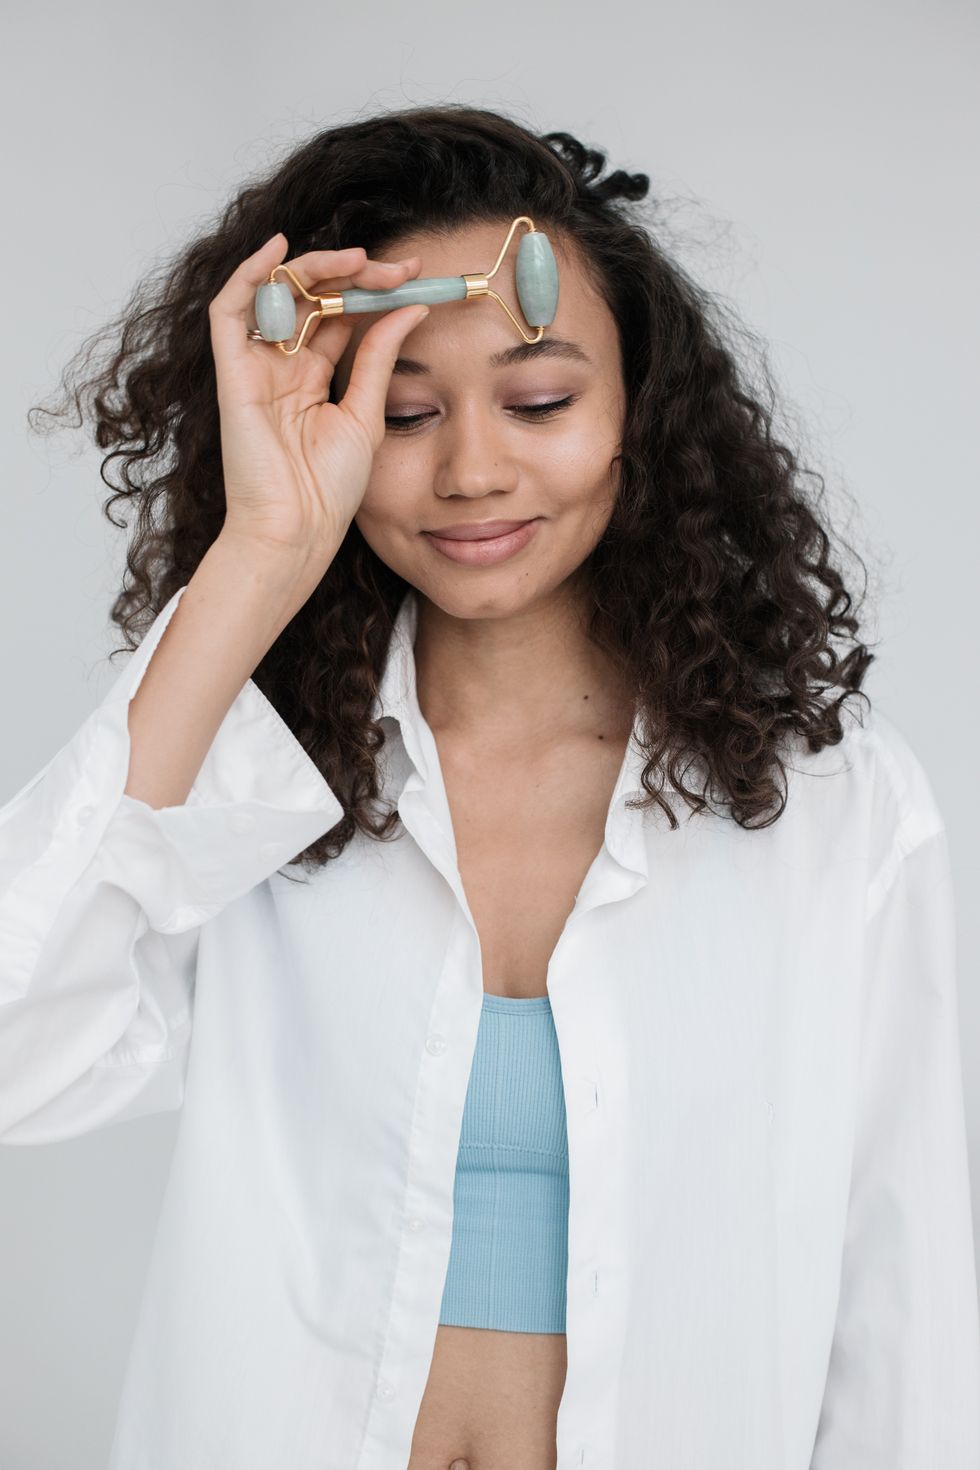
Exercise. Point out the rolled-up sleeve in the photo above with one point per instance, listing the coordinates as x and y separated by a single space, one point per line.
903 1385
102 898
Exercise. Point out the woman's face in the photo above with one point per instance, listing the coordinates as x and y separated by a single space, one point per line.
482 447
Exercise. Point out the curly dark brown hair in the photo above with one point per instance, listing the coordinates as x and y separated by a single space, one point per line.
713 585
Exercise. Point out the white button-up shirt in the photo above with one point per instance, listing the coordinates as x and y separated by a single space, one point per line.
770 1258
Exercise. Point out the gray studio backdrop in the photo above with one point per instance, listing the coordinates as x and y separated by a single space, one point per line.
821 167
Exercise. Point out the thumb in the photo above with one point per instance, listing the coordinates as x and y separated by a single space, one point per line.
371 368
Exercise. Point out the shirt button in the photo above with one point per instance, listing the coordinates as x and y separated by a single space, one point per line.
241 821
415 1225
269 851
85 814
435 1044
385 1392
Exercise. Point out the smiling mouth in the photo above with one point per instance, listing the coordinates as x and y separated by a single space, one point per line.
484 551
479 531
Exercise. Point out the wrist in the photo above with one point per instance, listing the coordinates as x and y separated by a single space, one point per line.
269 580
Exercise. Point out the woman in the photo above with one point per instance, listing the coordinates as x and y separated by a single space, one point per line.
537 1117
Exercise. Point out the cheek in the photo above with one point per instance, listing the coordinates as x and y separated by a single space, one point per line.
583 452
587 510
378 536
587 480
384 514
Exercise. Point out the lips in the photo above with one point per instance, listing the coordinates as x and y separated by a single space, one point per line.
483 551
478 531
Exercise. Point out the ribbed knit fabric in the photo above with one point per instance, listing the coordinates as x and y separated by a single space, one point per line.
509 1253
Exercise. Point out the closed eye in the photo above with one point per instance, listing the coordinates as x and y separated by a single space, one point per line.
535 412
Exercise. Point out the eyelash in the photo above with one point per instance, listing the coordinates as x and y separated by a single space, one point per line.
537 412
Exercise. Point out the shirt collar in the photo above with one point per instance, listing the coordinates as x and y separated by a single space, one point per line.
397 699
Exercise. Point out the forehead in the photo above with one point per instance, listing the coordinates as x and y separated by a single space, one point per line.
473 249
479 324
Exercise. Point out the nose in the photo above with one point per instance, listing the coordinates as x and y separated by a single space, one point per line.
473 461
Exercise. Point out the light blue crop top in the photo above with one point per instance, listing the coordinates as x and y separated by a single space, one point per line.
509 1253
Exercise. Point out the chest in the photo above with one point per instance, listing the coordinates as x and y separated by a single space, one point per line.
526 834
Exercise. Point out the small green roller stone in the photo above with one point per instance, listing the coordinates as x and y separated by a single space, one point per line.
275 311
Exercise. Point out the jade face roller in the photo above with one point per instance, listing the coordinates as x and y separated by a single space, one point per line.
536 278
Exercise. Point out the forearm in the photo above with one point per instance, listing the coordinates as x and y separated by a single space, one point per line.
234 607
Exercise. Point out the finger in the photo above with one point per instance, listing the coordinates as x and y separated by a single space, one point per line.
371 368
330 336
319 268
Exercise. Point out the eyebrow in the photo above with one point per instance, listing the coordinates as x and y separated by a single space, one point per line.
521 352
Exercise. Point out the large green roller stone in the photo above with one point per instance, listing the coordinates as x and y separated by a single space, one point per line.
537 279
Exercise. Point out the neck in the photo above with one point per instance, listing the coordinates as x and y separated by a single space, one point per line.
519 680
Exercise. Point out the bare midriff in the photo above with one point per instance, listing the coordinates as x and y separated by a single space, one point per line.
491 1400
